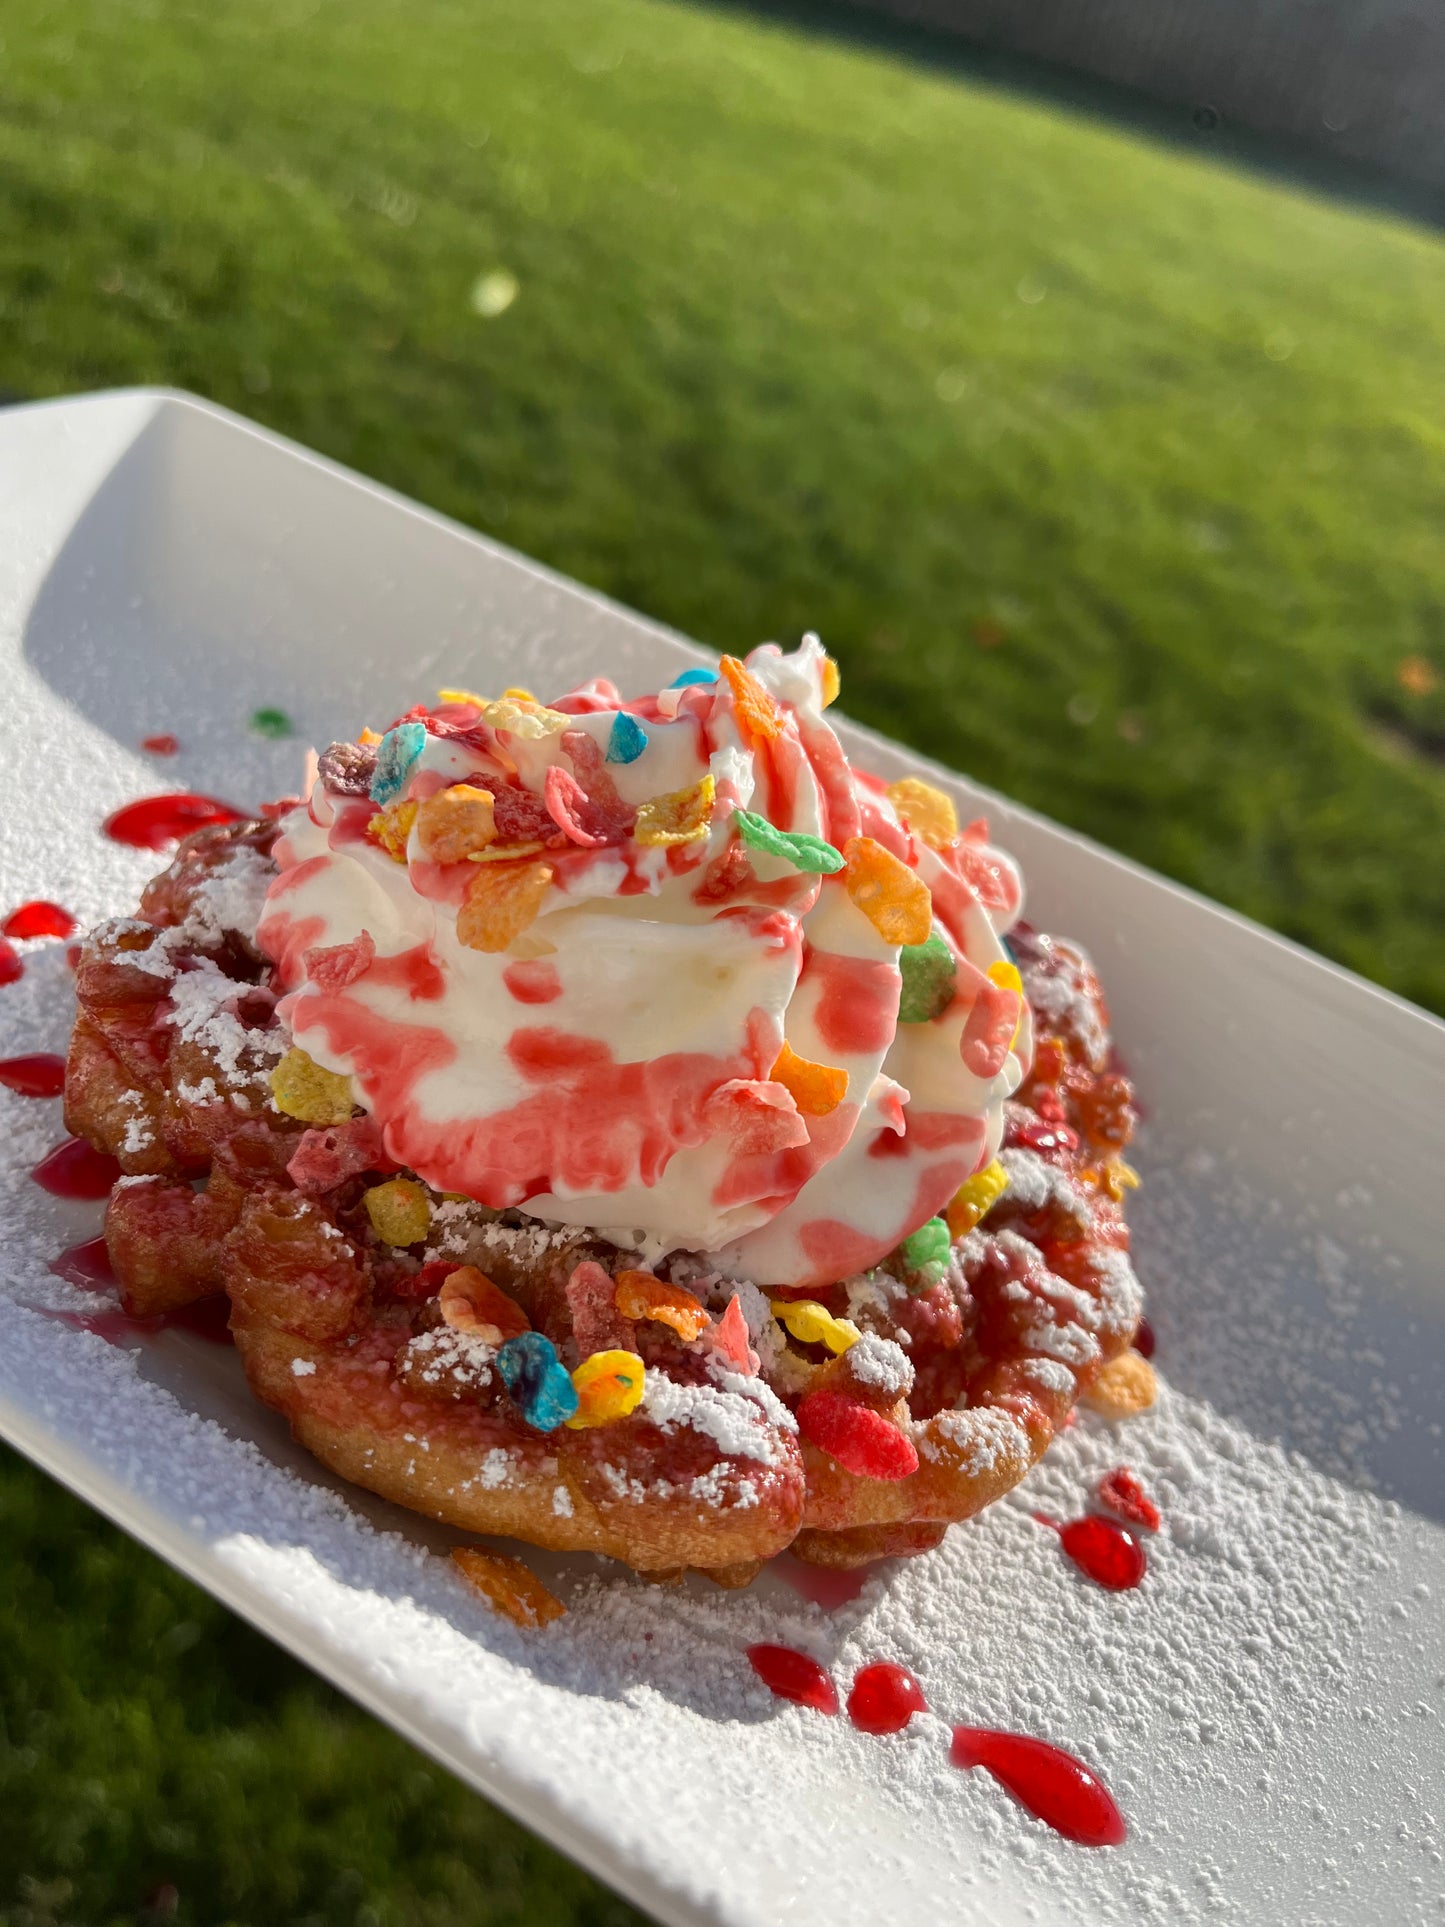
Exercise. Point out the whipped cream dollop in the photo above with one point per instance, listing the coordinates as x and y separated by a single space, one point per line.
637 1007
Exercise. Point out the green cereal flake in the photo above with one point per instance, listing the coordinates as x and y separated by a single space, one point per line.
272 722
925 1253
930 977
807 853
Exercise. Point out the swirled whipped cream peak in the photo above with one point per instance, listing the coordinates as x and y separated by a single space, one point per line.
667 967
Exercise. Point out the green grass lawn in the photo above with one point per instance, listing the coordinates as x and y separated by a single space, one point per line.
1111 476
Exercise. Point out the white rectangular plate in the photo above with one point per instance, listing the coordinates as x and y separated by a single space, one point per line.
1267 1706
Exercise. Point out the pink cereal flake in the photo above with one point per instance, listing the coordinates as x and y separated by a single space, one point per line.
340 965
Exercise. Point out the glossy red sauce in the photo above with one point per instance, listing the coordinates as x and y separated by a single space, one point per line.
86 1266
39 1075
1105 1551
794 1676
207 1318
11 968
75 1169
535 982
162 745
156 822
38 918
884 1698
1144 1340
1047 1782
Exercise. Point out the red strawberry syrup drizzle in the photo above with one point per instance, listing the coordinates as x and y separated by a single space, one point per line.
1045 1780
11 968
1102 1549
38 918
74 1169
156 822
87 1266
162 745
40 1075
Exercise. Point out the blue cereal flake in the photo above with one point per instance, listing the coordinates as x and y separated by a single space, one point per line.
396 758
628 739
540 1385
693 675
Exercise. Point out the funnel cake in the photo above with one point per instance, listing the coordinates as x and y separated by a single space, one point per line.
622 1126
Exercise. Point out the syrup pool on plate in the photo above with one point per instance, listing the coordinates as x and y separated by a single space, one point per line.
1105 1551
155 822
74 1169
38 918
41 1074
1046 1781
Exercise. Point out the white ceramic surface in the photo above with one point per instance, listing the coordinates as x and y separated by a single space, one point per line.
165 566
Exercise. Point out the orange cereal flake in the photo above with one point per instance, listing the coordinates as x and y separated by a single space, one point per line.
639 1295
502 901
368 739
392 827
1125 1387
455 823
470 1302
816 1089
928 812
894 900
508 1586
682 816
756 711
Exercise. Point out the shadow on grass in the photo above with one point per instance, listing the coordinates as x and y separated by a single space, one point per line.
1197 128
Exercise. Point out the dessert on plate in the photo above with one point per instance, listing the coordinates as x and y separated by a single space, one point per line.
623 1125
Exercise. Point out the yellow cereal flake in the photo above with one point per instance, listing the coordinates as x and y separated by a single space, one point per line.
506 852
639 1295
520 696
455 823
683 816
462 696
527 719
502 900
832 681
1125 1387
399 1211
894 900
927 811
973 1201
816 1089
813 1324
508 1587
609 1386
301 1088
391 828
1114 1178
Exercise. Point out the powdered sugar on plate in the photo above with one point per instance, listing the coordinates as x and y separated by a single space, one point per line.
1266 1706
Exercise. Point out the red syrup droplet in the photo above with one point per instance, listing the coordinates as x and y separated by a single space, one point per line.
40 1075
1047 1782
1144 1340
158 821
38 918
76 1169
86 1266
794 1676
11 968
72 955
1102 1549
163 745
884 1698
